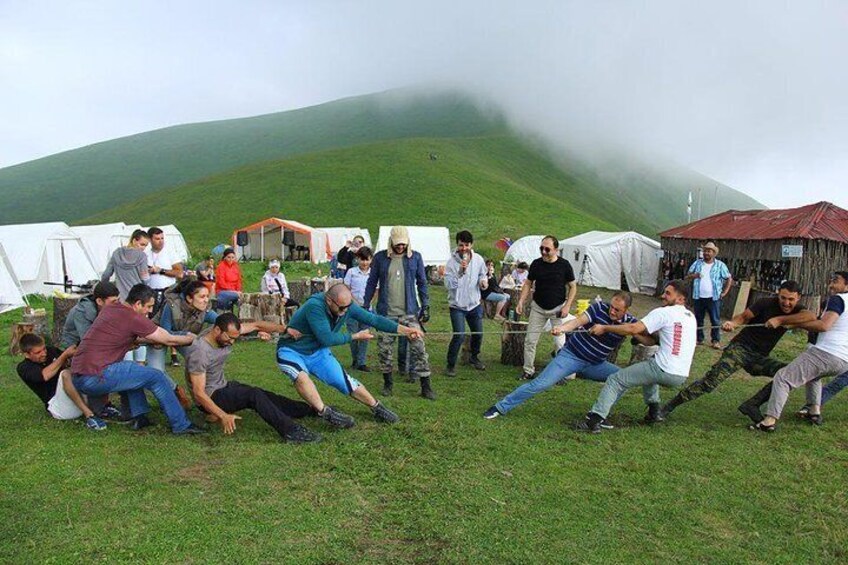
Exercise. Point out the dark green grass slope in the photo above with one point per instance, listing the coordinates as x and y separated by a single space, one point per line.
493 186
442 486
83 181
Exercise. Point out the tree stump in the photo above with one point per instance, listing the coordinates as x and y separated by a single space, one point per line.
514 294
19 330
512 344
317 285
61 308
299 290
641 352
289 312
260 307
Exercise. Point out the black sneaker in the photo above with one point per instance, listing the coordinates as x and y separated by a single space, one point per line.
606 425
299 434
111 414
477 364
337 419
192 430
383 414
655 414
450 371
753 412
588 426
140 422
363 368
492 413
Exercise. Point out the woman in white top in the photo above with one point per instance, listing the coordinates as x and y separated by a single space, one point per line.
274 282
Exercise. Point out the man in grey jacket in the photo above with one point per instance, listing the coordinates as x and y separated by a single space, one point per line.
81 316
465 275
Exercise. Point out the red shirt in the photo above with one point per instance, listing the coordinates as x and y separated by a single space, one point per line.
228 276
109 338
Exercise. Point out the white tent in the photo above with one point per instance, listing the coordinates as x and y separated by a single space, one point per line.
524 249
599 259
46 252
432 242
100 241
337 237
287 240
11 294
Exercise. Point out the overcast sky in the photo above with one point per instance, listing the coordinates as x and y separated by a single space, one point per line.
754 94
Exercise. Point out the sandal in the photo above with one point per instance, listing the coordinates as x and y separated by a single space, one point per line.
815 419
759 427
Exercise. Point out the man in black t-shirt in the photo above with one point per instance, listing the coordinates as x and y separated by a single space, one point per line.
549 276
750 349
40 371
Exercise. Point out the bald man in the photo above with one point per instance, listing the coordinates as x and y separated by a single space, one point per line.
321 323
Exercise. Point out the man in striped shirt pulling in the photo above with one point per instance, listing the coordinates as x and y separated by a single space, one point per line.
584 354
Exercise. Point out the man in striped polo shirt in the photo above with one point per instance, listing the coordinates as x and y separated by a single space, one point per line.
584 354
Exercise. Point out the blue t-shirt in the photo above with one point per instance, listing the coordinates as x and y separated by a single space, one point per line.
595 349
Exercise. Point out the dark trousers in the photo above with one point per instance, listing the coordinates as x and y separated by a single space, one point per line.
276 410
458 317
713 308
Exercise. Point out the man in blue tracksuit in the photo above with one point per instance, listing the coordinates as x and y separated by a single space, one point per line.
318 325
403 298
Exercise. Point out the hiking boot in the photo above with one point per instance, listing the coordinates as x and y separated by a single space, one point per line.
192 430
655 414
95 424
492 413
140 422
383 414
475 362
337 419
591 424
450 371
753 412
299 434
426 391
388 384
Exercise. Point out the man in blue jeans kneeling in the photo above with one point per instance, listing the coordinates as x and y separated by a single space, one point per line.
98 367
584 353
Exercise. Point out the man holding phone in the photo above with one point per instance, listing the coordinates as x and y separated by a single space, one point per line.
549 277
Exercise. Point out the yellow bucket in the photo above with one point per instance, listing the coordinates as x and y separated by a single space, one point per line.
582 305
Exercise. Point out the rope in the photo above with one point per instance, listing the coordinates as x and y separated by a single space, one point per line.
515 332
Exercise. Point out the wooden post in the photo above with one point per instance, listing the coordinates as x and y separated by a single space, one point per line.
512 344
742 298
61 308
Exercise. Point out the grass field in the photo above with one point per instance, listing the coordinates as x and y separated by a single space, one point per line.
443 485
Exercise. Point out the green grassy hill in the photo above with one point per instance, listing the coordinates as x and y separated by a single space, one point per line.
84 181
493 186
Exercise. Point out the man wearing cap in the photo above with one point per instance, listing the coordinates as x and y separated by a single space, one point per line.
403 298
274 282
712 283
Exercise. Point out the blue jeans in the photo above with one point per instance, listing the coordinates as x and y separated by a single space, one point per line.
713 308
565 363
226 299
358 348
475 323
833 387
131 378
496 297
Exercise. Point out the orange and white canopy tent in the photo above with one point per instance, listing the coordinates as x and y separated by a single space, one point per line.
286 240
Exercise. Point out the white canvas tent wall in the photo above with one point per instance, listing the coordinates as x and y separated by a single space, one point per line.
599 258
100 240
266 240
46 252
337 237
11 294
524 249
432 242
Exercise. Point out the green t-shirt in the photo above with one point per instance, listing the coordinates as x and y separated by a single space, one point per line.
396 291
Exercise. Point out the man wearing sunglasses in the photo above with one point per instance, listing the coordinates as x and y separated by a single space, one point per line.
322 321
584 353
549 277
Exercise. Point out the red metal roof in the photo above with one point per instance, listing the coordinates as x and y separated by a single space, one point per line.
814 221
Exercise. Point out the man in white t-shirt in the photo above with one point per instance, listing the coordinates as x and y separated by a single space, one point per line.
827 355
164 268
669 367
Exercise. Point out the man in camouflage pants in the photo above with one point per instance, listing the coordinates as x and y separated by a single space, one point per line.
750 349
398 271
